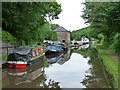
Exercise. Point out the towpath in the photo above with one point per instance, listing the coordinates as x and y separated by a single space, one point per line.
113 55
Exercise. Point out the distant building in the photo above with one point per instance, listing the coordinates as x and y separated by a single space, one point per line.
63 35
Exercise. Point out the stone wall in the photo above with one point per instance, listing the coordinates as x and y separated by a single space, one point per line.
64 36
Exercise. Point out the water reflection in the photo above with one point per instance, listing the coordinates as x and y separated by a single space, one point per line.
59 58
19 78
34 76
65 57
71 73
54 58
49 84
85 46
66 70
97 77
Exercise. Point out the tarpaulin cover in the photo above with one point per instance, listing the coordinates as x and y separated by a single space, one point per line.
23 50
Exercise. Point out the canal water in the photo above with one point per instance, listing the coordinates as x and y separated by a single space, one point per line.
73 69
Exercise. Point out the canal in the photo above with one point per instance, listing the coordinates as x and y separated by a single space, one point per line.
72 69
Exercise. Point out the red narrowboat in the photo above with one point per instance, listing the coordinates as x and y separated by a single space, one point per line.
23 56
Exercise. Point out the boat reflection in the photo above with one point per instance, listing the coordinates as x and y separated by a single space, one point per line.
85 46
59 58
34 76
53 58
65 57
19 78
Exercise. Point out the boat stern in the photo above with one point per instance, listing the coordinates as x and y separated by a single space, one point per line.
17 64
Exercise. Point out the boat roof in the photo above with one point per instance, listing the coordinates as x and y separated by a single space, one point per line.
22 50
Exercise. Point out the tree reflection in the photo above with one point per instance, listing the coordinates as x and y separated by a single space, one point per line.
96 79
50 84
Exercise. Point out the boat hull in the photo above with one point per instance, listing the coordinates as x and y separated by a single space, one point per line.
17 64
23 64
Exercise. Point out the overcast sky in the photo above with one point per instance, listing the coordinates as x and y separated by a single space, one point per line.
70 18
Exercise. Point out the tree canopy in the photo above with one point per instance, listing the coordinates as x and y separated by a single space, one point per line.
27 21
104 19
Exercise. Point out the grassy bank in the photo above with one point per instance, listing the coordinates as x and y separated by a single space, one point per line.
110 65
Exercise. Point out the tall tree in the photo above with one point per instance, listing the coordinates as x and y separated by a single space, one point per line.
104 17
24 20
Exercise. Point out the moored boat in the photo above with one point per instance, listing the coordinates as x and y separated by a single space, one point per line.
23 56
55 48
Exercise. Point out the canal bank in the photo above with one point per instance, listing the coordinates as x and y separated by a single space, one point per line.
110 65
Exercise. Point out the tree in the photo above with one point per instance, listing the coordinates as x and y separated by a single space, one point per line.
104 17
24 20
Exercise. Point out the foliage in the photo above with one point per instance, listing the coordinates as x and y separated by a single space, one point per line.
103 17
101 37
27 21
111 66
6 36
54 34
3 57
115 42
77 35
47 32
87 32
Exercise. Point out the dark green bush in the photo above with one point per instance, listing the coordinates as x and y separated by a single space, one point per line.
7 37
115 42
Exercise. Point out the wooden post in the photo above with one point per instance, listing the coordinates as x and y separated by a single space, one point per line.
7 51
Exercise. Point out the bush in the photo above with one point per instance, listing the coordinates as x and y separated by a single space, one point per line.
101 37
115 42
6 36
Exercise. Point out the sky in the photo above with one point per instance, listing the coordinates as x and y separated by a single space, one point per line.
70 17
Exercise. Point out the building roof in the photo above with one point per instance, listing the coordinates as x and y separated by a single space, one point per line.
61 29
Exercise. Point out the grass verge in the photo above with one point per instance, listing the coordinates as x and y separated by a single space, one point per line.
110 65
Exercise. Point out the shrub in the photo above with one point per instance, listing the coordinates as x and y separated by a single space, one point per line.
101 37
115 42
6 36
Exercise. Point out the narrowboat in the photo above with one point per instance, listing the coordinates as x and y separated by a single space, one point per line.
24 56
55 48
